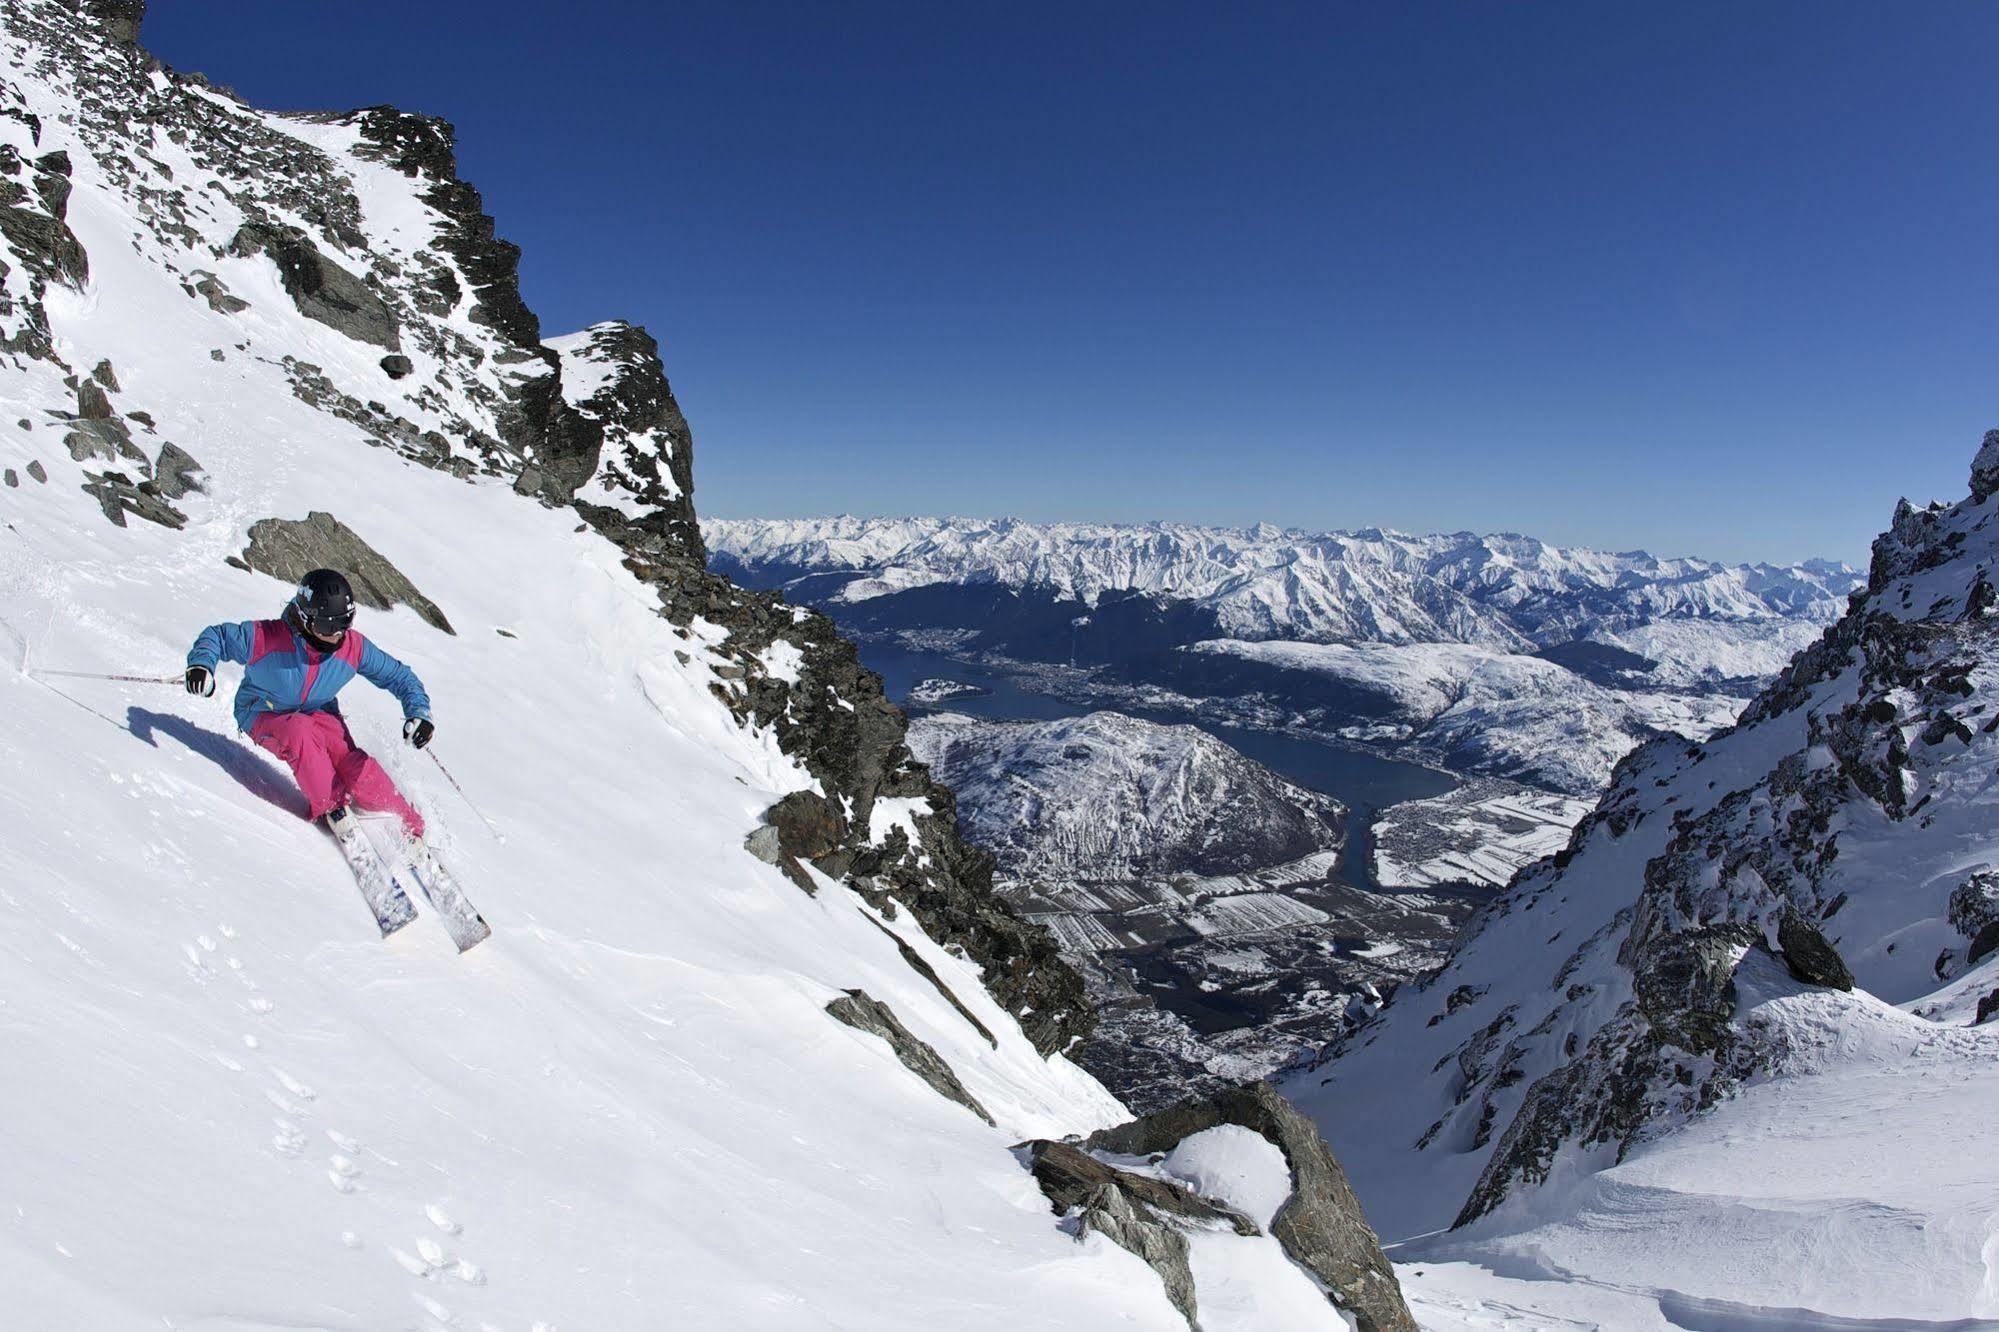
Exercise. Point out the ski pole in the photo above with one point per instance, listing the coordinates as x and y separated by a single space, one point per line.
93 675
498 836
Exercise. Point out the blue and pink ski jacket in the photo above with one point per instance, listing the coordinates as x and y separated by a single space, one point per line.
284 673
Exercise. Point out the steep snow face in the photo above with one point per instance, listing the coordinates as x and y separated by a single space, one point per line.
1693 942
1503 591
1107 796
229 1101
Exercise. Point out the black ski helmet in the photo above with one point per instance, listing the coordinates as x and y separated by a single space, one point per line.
324 604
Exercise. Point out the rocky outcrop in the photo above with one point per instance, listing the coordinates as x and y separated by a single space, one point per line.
121 18
833 717
1809 955
322 289
1829 831
1985 469
1139 1213
863 1012
804 826
1321 1225
288 549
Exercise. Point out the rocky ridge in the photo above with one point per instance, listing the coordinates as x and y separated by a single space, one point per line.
1840 837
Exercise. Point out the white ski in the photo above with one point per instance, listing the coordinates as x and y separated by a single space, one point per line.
384 896
461 920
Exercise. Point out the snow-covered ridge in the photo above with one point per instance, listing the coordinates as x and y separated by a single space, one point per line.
1369 585
1749 941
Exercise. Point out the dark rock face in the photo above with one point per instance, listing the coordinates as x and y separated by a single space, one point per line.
121 18
34 202
289 549
1985 468
1974 913
1321 1225
396 365
860 1010
321 289
1808 954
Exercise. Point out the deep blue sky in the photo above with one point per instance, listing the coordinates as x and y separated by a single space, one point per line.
1715 279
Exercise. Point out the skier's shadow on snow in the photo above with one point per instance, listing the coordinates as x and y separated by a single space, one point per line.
251 772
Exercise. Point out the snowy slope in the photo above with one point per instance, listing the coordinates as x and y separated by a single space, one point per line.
230 1104
1501 591
1669 995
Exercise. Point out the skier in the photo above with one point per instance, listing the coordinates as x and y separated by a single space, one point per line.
293 668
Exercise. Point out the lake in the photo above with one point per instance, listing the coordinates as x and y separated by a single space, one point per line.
1364 782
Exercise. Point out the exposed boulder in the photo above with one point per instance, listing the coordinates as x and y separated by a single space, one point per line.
862 1011
290 548
176 473
322 289
1321 1225
802 826
1136 1212
396 365
211 289
1809 955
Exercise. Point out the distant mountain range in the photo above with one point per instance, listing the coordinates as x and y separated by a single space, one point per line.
1368 586
1493 655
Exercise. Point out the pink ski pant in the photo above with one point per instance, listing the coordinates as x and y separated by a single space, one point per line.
330 769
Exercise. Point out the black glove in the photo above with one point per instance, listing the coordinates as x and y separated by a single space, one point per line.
418 730
201 681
